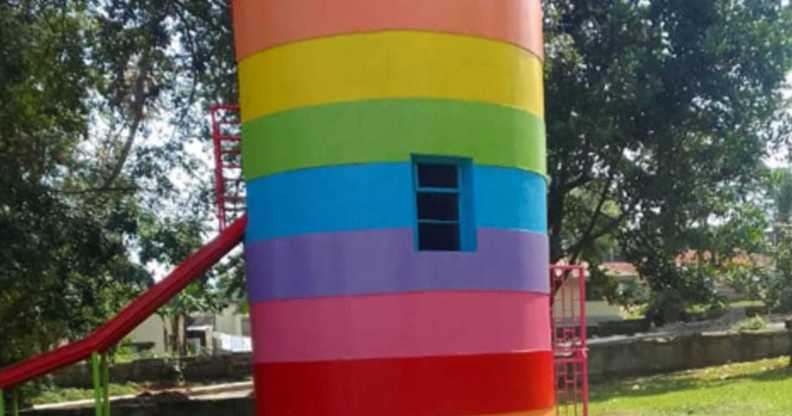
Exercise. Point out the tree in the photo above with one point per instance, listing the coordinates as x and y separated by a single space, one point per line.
781 193
769 275
659 114
63 263
87 87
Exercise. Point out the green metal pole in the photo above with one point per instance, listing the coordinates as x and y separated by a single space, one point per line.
106 384
96 373
2 403
14 402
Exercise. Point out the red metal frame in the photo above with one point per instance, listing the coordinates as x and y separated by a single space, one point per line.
227 139
131 316
568 311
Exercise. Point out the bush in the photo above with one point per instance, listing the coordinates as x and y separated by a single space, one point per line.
678 290
756 323
771 280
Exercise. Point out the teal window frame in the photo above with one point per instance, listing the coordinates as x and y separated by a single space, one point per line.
465 222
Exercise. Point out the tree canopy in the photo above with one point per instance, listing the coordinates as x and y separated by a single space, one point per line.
100 102
659 115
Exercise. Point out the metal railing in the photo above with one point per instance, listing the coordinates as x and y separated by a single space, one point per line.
568 311
227 141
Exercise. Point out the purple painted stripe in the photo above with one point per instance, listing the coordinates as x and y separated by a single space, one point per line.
385 261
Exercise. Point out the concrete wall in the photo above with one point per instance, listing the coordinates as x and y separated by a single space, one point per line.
151 331
602 311
658 355
596 310
229 321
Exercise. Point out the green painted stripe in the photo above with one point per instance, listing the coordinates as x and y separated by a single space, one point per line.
391 131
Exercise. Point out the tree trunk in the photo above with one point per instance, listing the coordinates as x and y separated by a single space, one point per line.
178 335
555 222
181 335
166 340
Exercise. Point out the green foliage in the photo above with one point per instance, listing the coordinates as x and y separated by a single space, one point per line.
756 323
97 194
659 116
63 263
767 273
52 394
773 282
780 185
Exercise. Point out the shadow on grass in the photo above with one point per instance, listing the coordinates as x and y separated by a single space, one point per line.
674 382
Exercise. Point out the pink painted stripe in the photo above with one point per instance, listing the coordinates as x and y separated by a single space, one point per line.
400 326
260 25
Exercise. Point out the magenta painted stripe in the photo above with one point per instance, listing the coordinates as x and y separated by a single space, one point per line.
385 261
398 326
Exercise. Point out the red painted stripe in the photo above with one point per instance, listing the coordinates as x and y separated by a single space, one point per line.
261 25
400 325
434 386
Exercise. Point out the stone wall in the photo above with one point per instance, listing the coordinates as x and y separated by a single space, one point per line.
635 357
233 367
625 327
607 359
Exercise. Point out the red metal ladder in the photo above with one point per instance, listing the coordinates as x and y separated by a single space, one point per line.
229 184
568 311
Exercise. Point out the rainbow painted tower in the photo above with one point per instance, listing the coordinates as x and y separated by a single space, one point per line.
394 152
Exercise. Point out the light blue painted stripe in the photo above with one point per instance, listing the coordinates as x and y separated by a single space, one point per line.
381 196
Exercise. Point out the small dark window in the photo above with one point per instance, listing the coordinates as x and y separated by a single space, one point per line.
439 201
435 175
438 237
438 206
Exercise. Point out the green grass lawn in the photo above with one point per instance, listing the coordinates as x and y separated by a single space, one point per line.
57 395
758 388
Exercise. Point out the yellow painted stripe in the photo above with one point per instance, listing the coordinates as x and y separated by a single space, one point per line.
390 65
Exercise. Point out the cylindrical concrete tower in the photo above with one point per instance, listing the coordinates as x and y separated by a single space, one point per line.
397 257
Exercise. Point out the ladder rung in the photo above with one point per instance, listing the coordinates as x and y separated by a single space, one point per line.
229 137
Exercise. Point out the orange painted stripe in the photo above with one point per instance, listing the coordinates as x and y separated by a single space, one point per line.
261 25
433 386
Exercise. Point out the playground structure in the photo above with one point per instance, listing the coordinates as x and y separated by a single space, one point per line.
396 246
394 159
568 317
